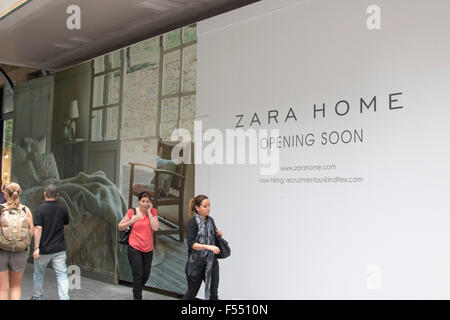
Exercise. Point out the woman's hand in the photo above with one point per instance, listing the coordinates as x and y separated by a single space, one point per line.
214 249
136 218
127 222
219 233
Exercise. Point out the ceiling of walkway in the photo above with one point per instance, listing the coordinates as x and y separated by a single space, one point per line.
38 34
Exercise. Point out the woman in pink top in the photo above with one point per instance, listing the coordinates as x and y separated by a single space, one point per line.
140 249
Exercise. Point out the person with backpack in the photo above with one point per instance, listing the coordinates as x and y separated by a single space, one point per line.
52 218
144 221
16 230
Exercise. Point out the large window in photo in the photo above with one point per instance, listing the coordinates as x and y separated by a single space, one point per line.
105 114
177 103
106 91
158 97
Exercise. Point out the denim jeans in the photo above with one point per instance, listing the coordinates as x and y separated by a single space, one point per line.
59 265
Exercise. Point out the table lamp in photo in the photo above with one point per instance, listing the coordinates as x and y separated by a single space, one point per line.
73 114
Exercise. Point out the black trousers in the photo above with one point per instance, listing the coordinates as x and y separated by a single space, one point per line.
141 264
194 286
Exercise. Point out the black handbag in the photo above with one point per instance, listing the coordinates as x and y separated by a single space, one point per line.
225 250
222 244
125 234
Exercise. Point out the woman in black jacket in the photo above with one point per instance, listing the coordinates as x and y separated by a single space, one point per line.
202 264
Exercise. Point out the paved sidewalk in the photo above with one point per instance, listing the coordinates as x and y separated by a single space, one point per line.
90 289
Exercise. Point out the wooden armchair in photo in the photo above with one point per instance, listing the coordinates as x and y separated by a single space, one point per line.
173 196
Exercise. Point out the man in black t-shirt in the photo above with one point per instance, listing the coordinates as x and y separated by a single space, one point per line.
50 219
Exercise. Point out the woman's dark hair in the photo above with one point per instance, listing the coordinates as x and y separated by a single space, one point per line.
145 194
196 202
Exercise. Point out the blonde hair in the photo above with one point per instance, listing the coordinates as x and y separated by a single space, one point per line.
13 189
196 201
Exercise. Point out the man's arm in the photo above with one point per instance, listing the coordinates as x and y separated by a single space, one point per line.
37 230
37 240
37 236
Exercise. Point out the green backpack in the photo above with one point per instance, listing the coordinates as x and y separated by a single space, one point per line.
15 229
